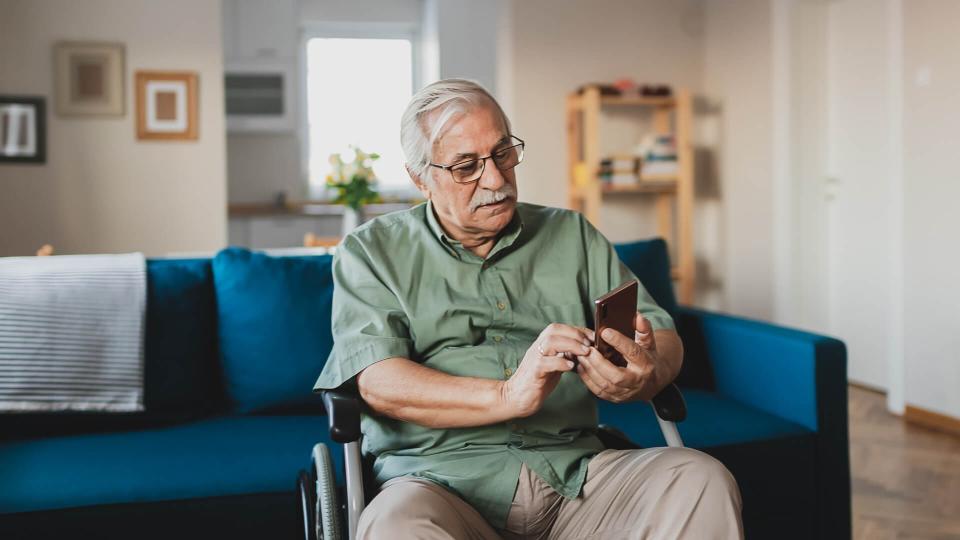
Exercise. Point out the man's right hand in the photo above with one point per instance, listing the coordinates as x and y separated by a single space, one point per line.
544 362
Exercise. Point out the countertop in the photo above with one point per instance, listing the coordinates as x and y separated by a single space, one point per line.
312 208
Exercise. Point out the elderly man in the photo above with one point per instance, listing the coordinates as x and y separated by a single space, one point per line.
459 321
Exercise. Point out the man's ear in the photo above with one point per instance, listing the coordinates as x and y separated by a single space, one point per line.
419 182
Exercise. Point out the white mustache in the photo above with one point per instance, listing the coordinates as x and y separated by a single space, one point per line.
485 196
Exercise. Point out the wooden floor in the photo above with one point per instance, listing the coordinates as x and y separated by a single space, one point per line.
906 479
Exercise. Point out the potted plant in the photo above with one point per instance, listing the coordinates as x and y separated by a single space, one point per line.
355 185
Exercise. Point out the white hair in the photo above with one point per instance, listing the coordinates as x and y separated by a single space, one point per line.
450 98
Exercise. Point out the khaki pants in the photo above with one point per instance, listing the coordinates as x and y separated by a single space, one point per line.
650 493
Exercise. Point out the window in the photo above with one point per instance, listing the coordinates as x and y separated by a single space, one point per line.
356 91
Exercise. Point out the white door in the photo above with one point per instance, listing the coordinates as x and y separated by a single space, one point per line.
839 152
860 160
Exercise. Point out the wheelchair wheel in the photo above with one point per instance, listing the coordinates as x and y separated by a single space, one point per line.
326 510
306 486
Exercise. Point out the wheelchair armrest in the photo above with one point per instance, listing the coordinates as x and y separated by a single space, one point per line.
343 411
670 405
614 439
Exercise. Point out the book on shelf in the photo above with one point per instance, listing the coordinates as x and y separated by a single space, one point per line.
660 167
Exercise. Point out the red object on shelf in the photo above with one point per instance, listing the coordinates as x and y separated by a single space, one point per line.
625 85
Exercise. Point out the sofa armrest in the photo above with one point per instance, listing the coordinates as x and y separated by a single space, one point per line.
796 375
343 411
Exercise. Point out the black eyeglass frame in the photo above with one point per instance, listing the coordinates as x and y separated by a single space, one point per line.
483 162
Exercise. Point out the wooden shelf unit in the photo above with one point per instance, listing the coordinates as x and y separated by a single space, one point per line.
673 192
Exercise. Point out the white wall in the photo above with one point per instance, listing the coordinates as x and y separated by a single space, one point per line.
800 151
101 190
931 114
738 84
360 10
467 36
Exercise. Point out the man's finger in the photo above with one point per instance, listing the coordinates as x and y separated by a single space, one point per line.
598 384
592 386
620 342
552 364
587 332
644 332
565 330
603 372
642 324
557 345
640 365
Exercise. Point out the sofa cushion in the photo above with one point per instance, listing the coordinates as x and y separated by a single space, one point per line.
649 260
712 420
213 457
181 374
274 327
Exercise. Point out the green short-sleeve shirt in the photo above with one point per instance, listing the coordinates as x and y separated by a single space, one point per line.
403 288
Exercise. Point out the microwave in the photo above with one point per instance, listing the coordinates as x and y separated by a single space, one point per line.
260 97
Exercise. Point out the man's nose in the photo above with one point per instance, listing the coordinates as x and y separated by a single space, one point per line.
491 178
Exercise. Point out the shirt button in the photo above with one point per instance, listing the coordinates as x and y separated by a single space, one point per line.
498 339
508 372
501 305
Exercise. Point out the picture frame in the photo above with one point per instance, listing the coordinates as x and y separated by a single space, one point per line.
23 137
167 105
89 78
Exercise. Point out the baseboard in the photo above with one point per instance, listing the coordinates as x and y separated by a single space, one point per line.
868 387
918 415
932 420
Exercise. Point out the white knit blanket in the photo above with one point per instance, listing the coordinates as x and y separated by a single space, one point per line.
71 333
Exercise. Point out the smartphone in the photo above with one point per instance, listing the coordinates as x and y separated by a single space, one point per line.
616 310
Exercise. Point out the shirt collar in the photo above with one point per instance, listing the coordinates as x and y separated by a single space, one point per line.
507 236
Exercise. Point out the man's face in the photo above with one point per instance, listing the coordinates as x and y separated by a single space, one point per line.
468 209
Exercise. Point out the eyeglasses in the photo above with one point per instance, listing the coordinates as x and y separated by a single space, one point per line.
469 171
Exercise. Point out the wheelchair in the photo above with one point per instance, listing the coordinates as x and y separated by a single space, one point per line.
325 506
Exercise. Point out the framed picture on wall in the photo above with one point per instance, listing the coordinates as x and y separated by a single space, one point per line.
166 105
89 78
23 129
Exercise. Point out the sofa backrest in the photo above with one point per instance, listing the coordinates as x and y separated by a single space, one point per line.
249 332
274 320
649 260
181 368
273 328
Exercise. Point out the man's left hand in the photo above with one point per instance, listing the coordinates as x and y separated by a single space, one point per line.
637 380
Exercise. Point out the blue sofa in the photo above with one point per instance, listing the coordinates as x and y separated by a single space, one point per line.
234 344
